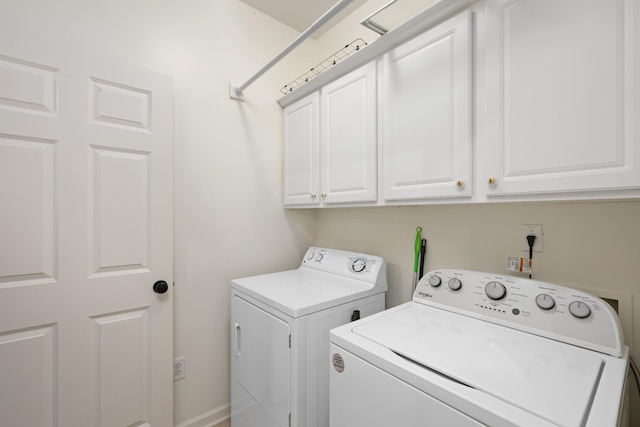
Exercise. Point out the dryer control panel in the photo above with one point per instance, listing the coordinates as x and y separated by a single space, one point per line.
369 268
553 311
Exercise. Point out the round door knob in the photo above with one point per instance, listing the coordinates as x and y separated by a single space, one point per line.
492 180
160 287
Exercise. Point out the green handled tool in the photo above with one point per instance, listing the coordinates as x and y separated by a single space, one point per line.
416 261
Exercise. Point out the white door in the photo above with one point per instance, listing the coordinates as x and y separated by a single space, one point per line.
85 232
426 119
348 129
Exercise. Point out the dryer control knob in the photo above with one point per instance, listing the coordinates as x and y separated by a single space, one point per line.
455 284
358 265
545 301
435 281
495 290
579 309
319 257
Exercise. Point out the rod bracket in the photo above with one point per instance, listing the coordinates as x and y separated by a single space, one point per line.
235 92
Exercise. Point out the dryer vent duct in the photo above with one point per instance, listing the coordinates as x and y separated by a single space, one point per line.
395 13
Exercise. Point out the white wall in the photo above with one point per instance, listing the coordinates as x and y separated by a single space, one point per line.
229 220
585 244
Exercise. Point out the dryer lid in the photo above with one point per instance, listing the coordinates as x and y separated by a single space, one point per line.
550 379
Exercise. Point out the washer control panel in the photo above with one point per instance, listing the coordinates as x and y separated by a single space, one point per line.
554 311
369 268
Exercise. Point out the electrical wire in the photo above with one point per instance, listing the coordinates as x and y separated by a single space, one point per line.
531 239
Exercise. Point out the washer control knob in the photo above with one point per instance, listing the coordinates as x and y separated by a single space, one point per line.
495 290
579 309
545 302
455 284
435 281
358 265
311 255
319 257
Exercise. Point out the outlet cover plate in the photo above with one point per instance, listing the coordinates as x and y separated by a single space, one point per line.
529 229
179 369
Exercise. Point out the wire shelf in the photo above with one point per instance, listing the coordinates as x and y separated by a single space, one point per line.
332 60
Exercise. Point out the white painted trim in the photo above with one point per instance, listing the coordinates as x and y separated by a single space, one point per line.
209 418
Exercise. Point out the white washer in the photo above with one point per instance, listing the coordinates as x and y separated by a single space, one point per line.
476 348
280 325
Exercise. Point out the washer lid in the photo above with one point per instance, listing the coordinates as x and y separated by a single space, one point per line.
304 290
550 379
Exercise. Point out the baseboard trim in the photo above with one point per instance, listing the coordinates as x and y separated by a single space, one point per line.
209 418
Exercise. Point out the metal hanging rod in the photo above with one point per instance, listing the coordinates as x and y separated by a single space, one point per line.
235 92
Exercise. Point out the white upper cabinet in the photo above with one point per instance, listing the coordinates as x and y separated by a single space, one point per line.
511 100
302 151
330 143
349 138
562 96
426 115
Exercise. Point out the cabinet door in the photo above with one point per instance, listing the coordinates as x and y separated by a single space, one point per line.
348 134
301 151
426 103
561 102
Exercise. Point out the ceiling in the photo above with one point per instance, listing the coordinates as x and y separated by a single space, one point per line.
300 14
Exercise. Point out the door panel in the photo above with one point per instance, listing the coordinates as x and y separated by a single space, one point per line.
29 207
348 135
126 369
560 96
30 354
28 86
118 105
86 223
426 116
120 200
302 151
262 358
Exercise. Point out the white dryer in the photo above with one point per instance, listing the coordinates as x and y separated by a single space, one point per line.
476 349
280 325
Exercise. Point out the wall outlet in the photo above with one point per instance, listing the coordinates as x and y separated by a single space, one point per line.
528 230
179 371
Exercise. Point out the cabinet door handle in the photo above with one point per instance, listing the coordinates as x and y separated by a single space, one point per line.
323 195
313 196
459 183
492 180
238 338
